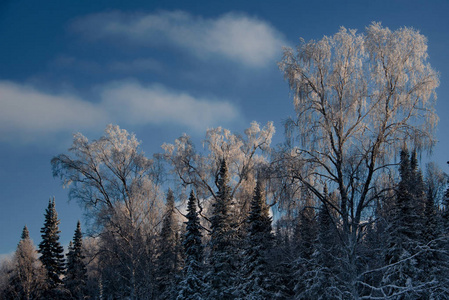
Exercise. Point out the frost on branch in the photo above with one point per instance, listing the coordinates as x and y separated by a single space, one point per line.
358 98
244 155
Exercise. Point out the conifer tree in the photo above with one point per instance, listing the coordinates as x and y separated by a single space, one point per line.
418 190
281 267
405 233
192 286
307 231
371 254
222 251
305 234
168 261
52 253
323 277
25 234
76 275
256 269
433 262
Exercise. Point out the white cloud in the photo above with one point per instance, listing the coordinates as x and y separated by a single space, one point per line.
28 114
246 40
156 104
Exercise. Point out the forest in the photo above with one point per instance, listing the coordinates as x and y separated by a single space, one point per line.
341 209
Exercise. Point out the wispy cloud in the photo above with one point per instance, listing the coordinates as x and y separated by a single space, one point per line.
27 114
238 37
157 104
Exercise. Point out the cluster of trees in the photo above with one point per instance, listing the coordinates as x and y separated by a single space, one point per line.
341 210
52 275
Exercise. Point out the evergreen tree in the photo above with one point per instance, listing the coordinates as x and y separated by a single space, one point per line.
405 234
306 234
281 267
256 269
76 278
52 253
168 261
192 286
25 234
371 256
222 241
433 263
307 231
322 279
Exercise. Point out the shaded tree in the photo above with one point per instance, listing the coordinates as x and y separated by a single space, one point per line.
259 241
168 261
76 275
192 286
222 241
406 246
305 244
322 277
52 253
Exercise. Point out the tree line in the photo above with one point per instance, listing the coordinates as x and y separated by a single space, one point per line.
340 210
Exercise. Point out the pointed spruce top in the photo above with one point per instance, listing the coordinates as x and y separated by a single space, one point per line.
25 233
78 237
191 205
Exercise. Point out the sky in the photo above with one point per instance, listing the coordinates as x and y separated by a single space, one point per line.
160 69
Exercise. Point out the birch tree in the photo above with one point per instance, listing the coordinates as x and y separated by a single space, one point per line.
243 155
26 278
358 99
119 187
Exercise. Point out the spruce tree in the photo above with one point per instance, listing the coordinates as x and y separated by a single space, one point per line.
222 241
405 233
168 260
76 275
323 277
305 236
433 263
281 266
52 253
192 286
256 269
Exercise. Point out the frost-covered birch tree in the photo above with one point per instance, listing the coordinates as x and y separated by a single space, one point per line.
118 186
358 98
26 278
243 155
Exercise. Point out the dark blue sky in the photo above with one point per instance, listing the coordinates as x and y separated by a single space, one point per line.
68 66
